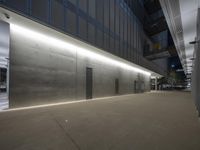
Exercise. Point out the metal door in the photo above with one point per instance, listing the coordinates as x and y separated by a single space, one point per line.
89 83
135 86
116 86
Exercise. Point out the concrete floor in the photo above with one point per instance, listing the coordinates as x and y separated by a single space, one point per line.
151 121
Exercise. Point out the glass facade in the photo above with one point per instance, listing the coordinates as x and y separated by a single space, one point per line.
107 24
111 25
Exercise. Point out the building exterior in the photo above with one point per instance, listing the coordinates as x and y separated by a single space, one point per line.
61 50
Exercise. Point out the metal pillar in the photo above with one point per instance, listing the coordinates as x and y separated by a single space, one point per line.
156 84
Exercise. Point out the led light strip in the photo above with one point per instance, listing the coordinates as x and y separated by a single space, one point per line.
113 98
72 47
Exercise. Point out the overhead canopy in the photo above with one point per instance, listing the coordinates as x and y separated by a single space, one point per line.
181 16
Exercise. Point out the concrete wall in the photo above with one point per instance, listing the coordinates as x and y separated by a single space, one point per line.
196 68
195 79
45 72
41 74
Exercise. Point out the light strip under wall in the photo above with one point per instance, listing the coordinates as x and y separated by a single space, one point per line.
64 103
26 32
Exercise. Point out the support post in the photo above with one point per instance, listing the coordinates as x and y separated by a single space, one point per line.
156 84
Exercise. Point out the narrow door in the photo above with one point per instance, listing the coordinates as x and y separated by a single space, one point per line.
135 86
142 86
89 83
116 86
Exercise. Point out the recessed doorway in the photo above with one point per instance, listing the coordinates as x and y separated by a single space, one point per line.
89 83
116 86
4 64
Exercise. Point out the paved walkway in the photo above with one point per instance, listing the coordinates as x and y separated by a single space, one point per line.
151 121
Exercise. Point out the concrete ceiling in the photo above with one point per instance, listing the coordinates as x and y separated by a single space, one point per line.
181 16
188 10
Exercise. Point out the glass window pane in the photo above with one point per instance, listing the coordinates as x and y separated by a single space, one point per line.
71 22
83 5
20 5
92 8
83 28
57 14
40 9
91 33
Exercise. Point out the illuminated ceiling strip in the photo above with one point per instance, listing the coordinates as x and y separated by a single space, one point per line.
71 47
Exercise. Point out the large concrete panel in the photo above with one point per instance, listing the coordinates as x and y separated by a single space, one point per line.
40 73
